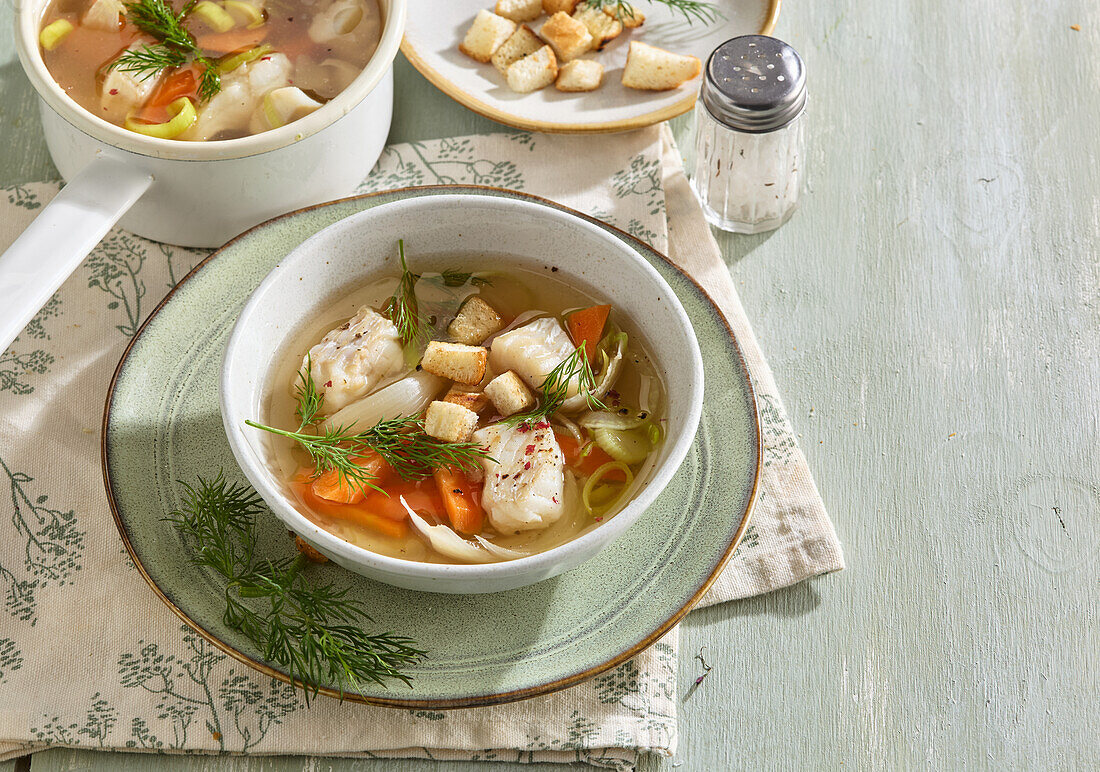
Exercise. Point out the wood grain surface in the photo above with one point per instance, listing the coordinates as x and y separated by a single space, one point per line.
933 317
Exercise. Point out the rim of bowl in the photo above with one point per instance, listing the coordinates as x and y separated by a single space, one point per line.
260 476
26 40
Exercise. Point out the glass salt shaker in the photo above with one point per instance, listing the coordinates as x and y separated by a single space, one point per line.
749 137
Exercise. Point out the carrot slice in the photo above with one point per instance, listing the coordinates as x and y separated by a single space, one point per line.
593 460
231 41
465 514
586 326
423 500
352 513
335 487
181 83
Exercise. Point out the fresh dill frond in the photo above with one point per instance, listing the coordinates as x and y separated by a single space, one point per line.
309 398
402 442
175 46
312 631
555 389
402 308
692 10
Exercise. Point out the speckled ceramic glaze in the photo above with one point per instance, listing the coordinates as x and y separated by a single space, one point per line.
493 233
163 424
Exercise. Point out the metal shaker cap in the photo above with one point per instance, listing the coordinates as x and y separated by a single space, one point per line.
754 83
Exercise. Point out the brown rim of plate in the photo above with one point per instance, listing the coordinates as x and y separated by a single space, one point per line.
482 700
607 127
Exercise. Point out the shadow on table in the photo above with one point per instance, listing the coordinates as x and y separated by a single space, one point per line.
735 246
789 602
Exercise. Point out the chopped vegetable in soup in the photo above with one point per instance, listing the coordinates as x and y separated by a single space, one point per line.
457 417
204 70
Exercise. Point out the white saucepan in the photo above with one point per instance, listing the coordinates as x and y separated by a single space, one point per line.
195 194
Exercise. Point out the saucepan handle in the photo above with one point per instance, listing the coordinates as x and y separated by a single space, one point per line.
62 235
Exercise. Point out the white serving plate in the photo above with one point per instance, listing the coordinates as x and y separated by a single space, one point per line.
434 30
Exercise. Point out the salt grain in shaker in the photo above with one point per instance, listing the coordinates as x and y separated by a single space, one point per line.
749 137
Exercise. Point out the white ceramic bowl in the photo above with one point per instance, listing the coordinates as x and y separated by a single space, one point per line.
361 248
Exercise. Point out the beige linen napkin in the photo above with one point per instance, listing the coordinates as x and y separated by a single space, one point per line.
89 657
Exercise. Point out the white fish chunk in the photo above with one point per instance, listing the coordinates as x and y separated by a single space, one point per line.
525 485
354 358
533 350
242 92
123 92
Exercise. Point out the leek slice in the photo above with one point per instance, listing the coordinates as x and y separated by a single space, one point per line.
232 62
245 13
53 33
630 446
214 16
588 494
287 104
183 115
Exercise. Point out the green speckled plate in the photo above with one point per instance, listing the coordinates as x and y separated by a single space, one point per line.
162 424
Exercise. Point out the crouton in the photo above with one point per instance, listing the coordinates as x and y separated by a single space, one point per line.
510 394
630 16
522 43
653 69
476 321
568 36
601 27
470 397
519 10
465 364
579 75
554 6
486 35
449 422
309 550
533 72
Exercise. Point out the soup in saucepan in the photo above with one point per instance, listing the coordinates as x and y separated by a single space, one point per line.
207 69
451 416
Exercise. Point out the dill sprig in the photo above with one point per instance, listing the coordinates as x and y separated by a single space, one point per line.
175 47
555 389
312 631
309 399
402 308
692 10
402 442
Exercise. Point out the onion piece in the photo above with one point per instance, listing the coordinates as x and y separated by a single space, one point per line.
499 551
569 426
408 396
446 542
591 483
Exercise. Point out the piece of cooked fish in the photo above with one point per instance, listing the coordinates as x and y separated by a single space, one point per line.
524 485
353 359
533 351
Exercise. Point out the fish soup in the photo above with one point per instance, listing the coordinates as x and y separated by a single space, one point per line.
203 69
452 417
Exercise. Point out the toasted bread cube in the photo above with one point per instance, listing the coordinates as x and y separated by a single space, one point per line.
554 6
465 364
510 394
579 75
653 69
476 321
470 397
568 36
519 10
630 16
601 27
486 35
533 72
449 422
522 43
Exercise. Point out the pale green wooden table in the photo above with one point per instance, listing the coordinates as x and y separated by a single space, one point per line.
933 317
